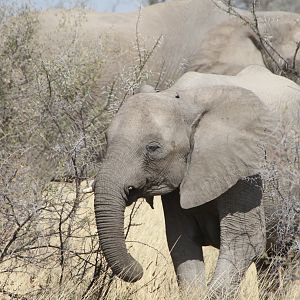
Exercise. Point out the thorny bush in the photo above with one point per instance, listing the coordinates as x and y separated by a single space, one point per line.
52 129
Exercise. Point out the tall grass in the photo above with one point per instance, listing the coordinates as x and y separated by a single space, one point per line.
53 118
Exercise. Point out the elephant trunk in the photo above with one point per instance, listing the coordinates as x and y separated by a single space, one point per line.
109 209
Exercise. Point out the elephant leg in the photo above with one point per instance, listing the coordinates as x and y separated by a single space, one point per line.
184 245
243 238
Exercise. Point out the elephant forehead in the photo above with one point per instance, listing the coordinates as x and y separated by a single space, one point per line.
154 108
152 116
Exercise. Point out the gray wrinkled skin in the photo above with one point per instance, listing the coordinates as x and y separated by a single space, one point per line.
198 144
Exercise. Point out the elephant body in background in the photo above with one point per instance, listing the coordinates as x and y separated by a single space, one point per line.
159 43
201 145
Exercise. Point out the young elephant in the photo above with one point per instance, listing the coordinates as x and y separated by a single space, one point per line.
199 145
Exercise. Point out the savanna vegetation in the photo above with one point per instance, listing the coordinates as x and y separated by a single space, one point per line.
52 137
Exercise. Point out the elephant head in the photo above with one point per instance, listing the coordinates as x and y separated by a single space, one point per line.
230 46
201 141
279 43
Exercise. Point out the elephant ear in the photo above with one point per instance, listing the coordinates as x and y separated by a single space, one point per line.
226 142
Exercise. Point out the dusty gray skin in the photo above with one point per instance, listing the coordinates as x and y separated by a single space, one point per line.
194 36
196 145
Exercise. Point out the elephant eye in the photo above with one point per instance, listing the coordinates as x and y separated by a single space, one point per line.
152 147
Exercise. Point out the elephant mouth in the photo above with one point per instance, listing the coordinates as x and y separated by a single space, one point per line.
133 194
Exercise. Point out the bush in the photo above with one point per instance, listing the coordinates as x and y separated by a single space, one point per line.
52 127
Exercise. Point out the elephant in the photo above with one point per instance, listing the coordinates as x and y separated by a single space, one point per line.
200 145
166 40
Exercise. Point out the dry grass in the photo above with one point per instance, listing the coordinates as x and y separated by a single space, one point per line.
63 252
147 243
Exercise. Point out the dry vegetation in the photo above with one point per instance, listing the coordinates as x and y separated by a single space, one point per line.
42 281
52 128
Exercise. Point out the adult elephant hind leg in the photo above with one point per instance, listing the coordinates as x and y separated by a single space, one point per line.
184 245
243 234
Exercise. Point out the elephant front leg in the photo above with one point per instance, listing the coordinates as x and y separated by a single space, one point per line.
243 238
183 242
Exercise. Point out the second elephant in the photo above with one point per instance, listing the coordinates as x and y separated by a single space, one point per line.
159 43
